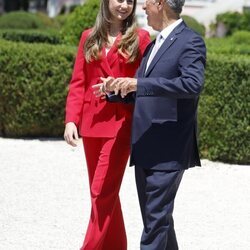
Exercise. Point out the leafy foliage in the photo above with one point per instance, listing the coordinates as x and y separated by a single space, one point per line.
33 83
20 20
81 18
237 44
234 21
241 37
31 36
25 20
34 80
224 109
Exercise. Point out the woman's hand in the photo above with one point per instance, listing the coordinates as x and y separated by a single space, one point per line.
103 88
71 134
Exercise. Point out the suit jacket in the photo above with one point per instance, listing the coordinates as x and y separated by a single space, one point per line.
165 115
93 116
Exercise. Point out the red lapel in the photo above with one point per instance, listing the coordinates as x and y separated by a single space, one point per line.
111 57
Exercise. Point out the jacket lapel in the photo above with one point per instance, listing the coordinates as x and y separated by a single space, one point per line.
167 43
110 58
141 70
144 65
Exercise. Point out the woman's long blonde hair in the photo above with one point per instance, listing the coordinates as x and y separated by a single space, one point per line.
128 45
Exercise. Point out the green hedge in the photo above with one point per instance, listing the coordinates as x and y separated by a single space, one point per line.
31 36
21 20
241 37
236 44
61 20
33 80
224 109
81 18
26 20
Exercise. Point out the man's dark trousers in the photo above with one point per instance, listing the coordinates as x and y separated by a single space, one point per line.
157 190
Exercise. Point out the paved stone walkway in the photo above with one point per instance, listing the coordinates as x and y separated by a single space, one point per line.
44 201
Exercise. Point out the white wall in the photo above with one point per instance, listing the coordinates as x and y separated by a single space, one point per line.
206 12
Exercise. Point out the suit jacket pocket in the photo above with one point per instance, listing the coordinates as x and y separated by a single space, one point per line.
161 121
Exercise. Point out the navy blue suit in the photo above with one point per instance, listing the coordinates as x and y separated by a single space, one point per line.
164 128
165 114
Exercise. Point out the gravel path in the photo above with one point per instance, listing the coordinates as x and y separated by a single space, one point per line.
44 201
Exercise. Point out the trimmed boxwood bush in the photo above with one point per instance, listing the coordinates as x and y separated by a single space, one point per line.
31 36
61 20
224 109
81 18
47 21
21 20
229 45
34 80
33 83
241 37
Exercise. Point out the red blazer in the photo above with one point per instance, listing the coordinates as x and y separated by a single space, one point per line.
93 116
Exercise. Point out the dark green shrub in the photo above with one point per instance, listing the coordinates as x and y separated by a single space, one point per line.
229 45
234 21
31 36
195 25
33 83
20 20
224 109
241 37
81 18
61 20
245 20
47 21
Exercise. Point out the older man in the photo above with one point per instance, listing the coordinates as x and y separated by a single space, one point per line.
164 144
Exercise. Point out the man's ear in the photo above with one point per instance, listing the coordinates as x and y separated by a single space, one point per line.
160 4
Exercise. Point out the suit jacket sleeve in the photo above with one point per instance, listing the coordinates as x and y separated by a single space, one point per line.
189 83
76 87
144 40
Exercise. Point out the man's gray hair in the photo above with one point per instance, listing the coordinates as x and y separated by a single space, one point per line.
176 5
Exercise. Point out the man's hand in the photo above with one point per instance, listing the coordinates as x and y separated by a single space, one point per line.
124 85
70 134
101 89
108 83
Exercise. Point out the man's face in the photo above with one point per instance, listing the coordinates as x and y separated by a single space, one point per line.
151 8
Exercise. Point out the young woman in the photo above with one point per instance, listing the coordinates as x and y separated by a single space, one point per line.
113 47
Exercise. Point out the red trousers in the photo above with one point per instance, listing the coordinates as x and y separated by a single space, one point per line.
106 161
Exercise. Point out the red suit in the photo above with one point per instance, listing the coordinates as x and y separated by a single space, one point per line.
105 128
